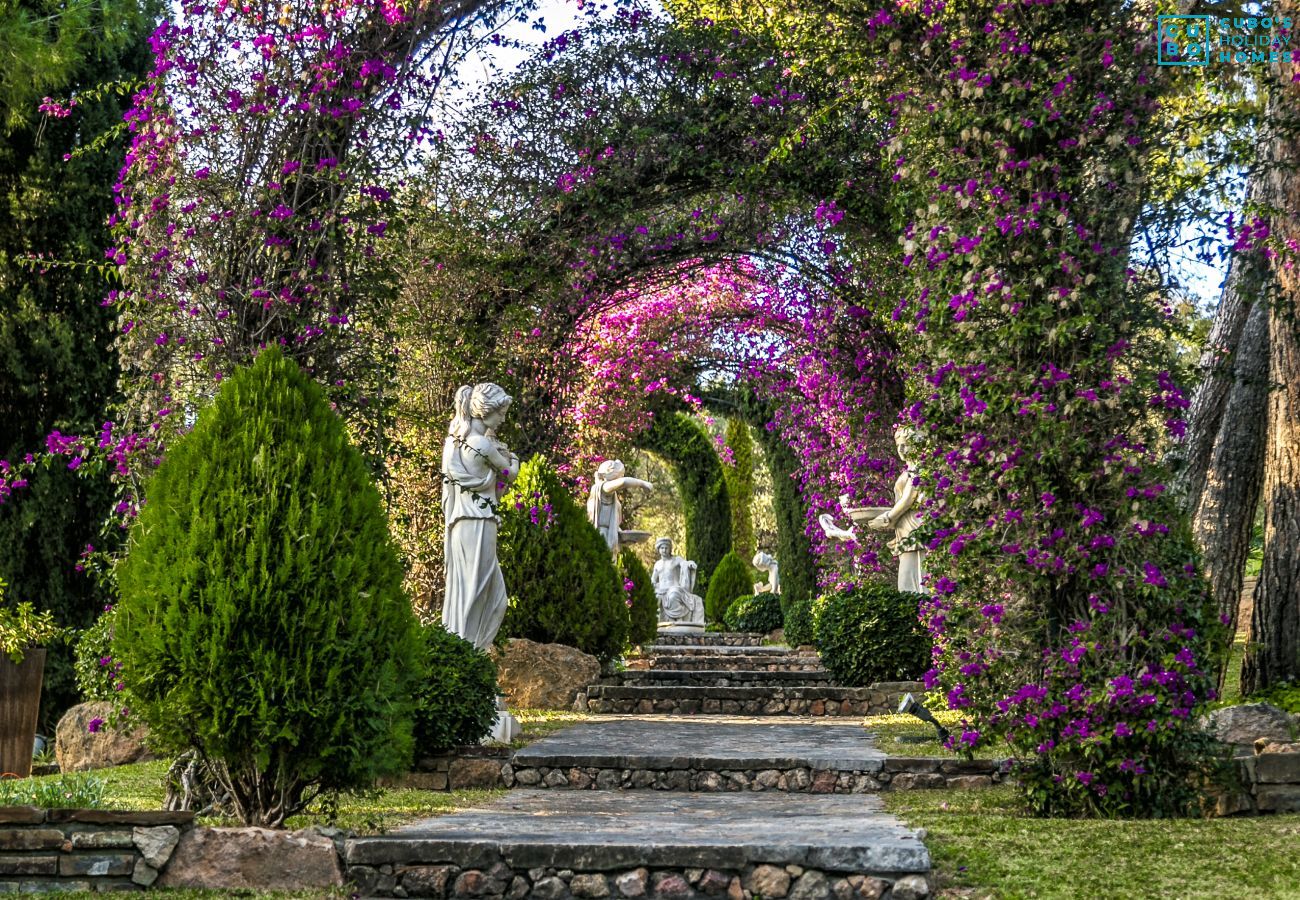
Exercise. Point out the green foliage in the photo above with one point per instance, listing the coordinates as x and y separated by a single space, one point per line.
1284 696
871 633
740 486
98 672
56 339
70 790
22 627
759 613
800 623
456 701
262 620
644 608
680 441
563 585
733 578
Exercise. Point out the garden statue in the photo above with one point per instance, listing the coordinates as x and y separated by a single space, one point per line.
605 504
673 579
903 518
766 562
476 467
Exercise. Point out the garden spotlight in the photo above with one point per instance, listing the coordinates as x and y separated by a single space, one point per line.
913 706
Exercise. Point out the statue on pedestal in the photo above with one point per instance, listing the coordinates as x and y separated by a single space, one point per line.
605 504
673 578
903 518
766 562
476 467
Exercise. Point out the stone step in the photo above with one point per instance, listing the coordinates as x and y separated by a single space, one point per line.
546 845
722 677
767 663
878 699
692 755
690 650
712 639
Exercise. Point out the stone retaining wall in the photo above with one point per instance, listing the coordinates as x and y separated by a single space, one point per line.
63 850
711 639
1270 781
898 773
464 767
879 699
502 882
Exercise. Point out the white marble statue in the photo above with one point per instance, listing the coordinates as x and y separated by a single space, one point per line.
476 467
903 518
766 562
673 578
605 503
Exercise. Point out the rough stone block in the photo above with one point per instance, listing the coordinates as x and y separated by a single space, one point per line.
968 782
156 844
590 885
476 883
233 858
772 882
911 887
1278 768
144 874
1278 797
12 839
474 773
811 885
905 781
632 884
914 764
28 865
428 881
21 815
671 886
714 882
98 864
102 840
549 888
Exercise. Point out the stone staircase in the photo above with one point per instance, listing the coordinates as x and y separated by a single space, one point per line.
727 673
670 803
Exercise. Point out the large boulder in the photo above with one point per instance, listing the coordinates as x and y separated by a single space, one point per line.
1243 725
77 748
252 858
543 676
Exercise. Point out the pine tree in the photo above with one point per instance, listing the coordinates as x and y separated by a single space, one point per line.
262 619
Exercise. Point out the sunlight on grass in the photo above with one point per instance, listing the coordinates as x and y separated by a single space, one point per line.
984 847
900 735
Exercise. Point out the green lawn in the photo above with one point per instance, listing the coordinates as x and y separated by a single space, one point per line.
983 848
900 735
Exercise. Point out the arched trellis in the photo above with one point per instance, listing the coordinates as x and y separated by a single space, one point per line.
706 505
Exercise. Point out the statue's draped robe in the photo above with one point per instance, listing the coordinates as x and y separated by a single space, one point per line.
475 601
605 512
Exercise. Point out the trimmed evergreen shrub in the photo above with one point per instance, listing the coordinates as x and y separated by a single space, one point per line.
799 623
871 633
740 486
262 620
456 703
731 579
643 606
760 613
680 440
562 582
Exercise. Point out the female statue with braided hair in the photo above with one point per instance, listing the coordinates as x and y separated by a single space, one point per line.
476 467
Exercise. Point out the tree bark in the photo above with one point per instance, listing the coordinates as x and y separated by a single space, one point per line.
1273 652
1224 517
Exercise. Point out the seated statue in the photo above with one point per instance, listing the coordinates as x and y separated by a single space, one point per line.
674 580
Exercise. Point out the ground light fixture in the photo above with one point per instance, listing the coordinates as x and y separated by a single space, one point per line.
910 705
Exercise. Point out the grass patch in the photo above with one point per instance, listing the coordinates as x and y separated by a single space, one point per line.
984 847
139 786
540 723
900 735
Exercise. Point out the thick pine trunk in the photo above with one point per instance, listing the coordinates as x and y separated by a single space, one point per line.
1225 514
1273 653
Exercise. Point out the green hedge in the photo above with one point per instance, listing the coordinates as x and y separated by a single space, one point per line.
799 623
262 620
702 485
643 606
733 578
740 486
760 613
563 585
457 698
871 633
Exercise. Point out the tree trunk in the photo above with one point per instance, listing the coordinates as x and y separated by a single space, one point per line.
1225 514
1273 653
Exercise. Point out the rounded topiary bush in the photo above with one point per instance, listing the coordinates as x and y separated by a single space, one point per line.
639 596
262 621
799 623
760 613
871 633
731 579
456 702
559 573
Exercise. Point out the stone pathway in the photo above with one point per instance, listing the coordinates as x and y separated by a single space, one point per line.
663 806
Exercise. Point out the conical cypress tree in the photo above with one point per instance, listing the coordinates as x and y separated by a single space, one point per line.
642 605
731 579
563 585
262 619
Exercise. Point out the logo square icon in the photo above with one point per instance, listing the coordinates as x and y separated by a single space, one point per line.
1183 40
